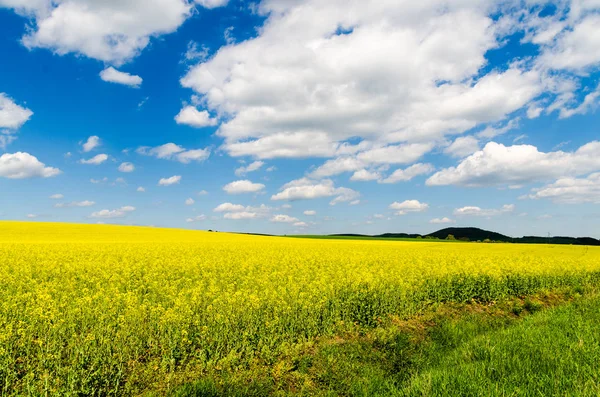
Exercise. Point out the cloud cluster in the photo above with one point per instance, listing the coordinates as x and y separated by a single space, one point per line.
23 165
96 160
109 214
571 190
171 151
112 75
85 203
254 166
305 188
477 211
110 31
240 212
175 179
243 186
408 206
12 117
497 164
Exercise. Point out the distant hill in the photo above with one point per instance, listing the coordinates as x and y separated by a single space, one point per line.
472 233
477 234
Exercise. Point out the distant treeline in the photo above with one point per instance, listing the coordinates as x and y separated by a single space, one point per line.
476 234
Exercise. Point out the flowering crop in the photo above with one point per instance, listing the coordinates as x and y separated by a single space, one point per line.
97 309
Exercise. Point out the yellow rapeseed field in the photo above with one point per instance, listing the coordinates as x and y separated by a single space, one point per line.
98 309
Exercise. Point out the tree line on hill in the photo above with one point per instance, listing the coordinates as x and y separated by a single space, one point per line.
480 235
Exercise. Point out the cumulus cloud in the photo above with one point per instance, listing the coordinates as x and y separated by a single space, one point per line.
211 3
57 196
110 31
112 75
12 116
21 165
365 175
126 167
462 146
117 213
302 89
408 206
169 181
436 221
403 175
310 212
305 189
497 164
249 168
571 190
240 215
189 201
140 189
171 151
229 207
243 186
477 211
85 203
96 160
191 116
91 143
280 218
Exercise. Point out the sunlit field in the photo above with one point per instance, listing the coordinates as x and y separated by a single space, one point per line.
98 309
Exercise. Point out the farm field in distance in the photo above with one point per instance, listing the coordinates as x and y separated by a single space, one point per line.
120 310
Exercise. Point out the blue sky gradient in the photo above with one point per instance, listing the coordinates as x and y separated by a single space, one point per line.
491 100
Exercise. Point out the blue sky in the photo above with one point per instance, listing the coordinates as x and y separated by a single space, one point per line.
302 116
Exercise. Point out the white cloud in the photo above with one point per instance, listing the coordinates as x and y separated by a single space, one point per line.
365 175
96 160
118 213
286 206
91 143
32 216
305 189
12 116
197 218
211 3
202 193
196 52
571 190
140 189
229 207
299 89
191 116
354 202
126 167
497 164
85 203
577 47
110 31
441 220
189 201
477 211
493 131
171 151
403 175
57 196
243 186
96 181
249 168
463 146
21 165
169 181
240 215
112 75
310 212
280 218
301 224
408 206
591 101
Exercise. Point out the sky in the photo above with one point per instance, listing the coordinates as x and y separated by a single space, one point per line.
302 116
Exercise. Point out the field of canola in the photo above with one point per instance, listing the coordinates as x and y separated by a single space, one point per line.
107 309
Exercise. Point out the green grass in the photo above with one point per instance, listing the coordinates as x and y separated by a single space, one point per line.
520 347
